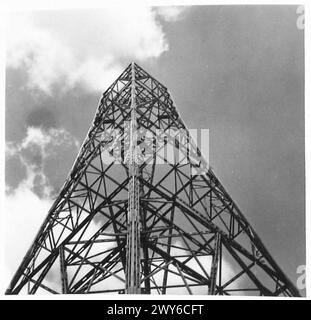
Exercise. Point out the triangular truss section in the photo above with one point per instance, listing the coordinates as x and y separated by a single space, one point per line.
141 212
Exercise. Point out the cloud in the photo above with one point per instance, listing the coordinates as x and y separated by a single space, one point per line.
41 117
24 214
68 48
170 13
40 153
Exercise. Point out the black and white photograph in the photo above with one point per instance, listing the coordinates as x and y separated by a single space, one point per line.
154 148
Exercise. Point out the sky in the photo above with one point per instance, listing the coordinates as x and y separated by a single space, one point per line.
235 70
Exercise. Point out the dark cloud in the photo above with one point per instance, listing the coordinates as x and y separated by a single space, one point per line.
62 158
48 156
239 71
41 117
38 186
25 107
73 110
33 156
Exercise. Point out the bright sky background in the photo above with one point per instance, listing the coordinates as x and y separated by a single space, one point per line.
237 71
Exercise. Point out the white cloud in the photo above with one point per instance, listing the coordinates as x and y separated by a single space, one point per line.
34 150
170 13
24 214
84 47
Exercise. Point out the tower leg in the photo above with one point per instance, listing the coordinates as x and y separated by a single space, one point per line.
214 267
133 237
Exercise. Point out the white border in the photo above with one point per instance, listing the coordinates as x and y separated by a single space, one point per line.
22 5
